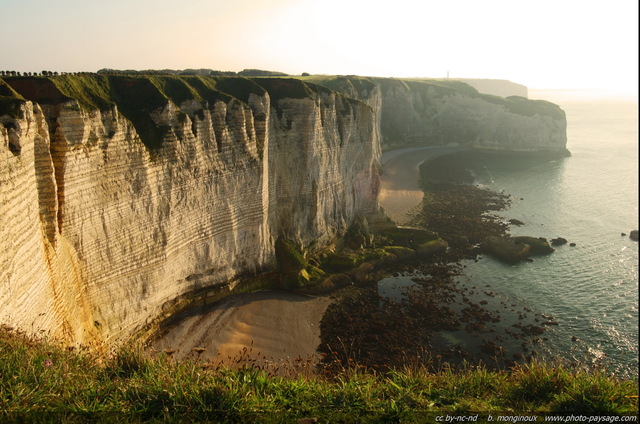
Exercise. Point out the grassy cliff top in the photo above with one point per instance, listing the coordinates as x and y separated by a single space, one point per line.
136 96
356 86
148 92
101 91
10 101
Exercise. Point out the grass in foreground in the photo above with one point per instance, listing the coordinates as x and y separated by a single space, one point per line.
42 382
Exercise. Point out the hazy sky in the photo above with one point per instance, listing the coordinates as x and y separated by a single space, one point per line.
541 43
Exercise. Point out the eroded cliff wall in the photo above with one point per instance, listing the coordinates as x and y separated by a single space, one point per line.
119 194
445 112
415 113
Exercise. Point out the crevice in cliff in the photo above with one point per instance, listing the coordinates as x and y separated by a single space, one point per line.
46 185
50 164
14 141
58 171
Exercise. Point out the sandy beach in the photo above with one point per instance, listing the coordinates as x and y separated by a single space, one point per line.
267 326
400 192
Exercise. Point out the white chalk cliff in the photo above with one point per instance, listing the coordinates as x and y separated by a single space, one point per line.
424 112
112 205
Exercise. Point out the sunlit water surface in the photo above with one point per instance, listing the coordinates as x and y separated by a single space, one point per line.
590 199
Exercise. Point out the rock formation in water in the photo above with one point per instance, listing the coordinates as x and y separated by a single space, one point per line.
119 194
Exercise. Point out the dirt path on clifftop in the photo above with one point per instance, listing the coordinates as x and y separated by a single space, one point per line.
275 327
400 192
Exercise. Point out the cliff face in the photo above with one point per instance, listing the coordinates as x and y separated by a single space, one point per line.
99 229
120 194
424 112
419 114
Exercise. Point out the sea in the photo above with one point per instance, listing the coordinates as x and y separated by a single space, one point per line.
590 199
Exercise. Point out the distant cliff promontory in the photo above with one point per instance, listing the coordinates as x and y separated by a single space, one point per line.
445 112
121 193
502 88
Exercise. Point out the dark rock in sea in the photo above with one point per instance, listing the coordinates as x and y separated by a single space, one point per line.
530 330
516 222
558 241
572 244
506 249
623 234
634 235
539 246
492 348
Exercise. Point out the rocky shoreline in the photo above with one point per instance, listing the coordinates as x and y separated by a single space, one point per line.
436 317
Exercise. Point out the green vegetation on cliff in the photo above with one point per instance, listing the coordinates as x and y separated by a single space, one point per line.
42 382
10 101
91 91
351 85
356 85
293 268
526 107
240 88
138 95
406 120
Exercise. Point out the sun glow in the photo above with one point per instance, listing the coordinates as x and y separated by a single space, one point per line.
542 44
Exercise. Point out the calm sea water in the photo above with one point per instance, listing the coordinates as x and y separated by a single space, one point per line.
590 199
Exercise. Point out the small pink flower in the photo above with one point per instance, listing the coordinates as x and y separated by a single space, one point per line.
48 363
